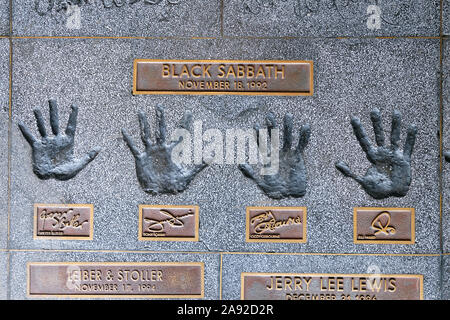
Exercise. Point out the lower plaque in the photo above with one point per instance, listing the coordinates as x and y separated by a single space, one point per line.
291 286
116 279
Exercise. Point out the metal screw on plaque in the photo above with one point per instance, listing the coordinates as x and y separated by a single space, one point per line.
390 173
290 178
53 156
155 169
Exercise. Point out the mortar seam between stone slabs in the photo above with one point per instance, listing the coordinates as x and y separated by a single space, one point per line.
333 37
218 38
229 253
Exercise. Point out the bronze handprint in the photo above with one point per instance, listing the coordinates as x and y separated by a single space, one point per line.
155 169
390 173
290 180
53 155
447 156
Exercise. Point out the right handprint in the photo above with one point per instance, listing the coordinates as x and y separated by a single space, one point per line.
390 173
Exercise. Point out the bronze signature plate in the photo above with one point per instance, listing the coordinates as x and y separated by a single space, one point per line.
384 225
276 224
168 223
297 286
63 221
116 279
242 77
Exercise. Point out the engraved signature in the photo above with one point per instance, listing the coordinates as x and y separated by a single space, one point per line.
393 12
267 222
172 220
380 227
61 219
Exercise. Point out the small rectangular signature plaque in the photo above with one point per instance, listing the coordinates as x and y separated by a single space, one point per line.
116 279
63 221
384 225
168 223
298 286
276 224
241 77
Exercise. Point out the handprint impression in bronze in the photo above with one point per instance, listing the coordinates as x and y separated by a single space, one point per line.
155 169
53 155
390 173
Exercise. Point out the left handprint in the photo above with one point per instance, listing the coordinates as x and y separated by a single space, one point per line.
53 155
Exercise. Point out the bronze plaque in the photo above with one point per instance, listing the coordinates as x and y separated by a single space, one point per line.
63 221
384 225
267 77
276 224
116 279
168 223
292 286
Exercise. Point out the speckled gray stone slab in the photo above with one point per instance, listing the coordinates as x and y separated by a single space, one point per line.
4 17
3 275
235 264
180 18
446 147
446 277
351 78
446 17
19 260
282 18
4 116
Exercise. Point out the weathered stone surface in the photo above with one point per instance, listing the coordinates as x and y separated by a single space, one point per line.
446 17
289 18
193 18
446 147
351 78
4 116
3 275
446 277
235 264
4 17
19 260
